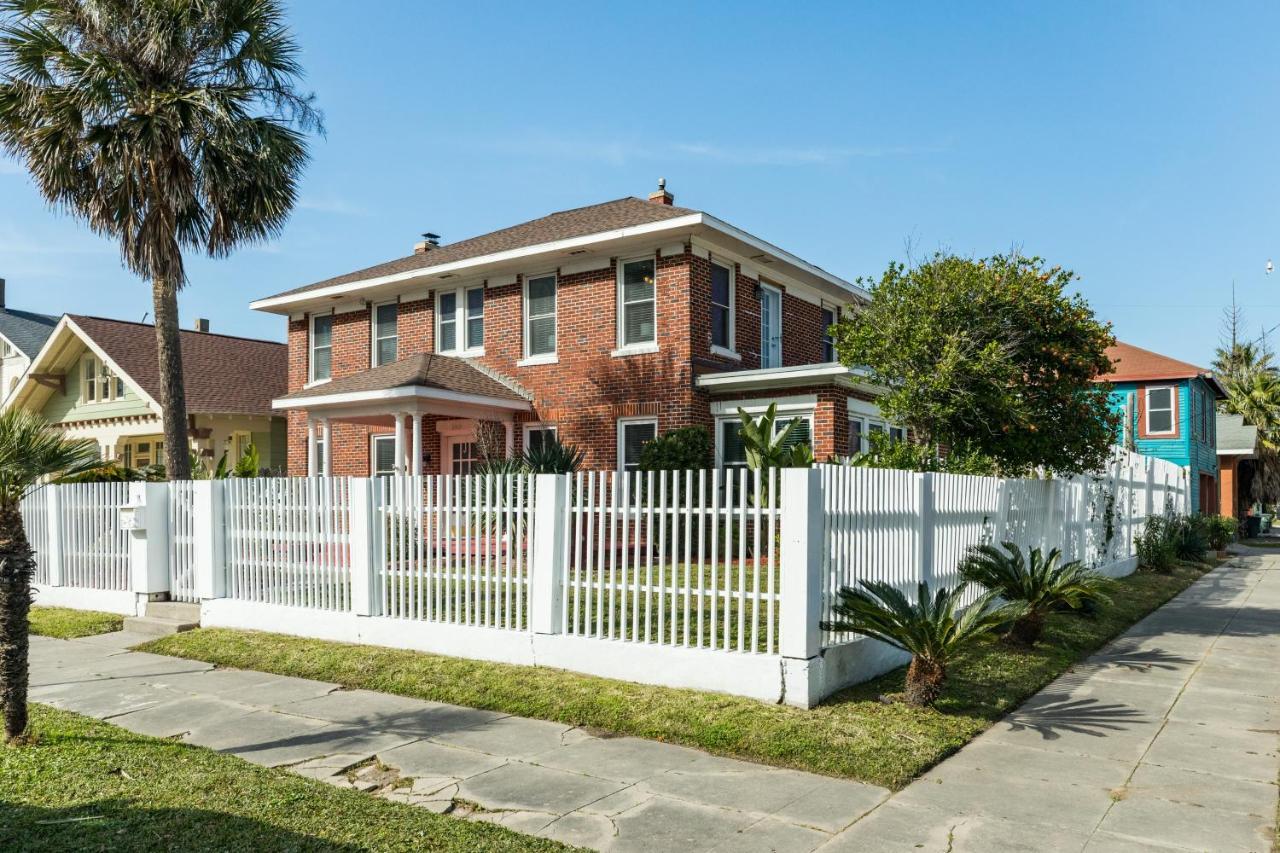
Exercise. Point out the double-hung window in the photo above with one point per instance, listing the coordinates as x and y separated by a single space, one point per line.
633 435
770 326
540 317
386 335
321 347
829 317
382 450
97 383
637 303
1160 411
460 321
722 297
731 452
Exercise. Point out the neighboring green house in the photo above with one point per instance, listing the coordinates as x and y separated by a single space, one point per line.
1168 410
99 379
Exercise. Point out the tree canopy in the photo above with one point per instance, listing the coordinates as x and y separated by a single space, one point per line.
987 356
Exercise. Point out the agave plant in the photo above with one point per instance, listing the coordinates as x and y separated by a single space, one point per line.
553 457
1041 582
932 629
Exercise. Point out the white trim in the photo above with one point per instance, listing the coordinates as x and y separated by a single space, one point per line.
730 347
726 353
542 357
536 426
620 312
461 337
374 438
374 340
1173 411
835 315
623 423
774 289
781 254
799 403
634 349
784 414
389 394
766 378
535 360
311 347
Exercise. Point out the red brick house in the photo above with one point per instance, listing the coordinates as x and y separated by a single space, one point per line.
606 325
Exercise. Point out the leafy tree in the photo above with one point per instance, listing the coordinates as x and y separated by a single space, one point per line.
166 126
987 356
933 629
1042 582
31 451
1252 384
887 452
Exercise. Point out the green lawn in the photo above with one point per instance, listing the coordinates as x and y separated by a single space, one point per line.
65 623
851 735
88 785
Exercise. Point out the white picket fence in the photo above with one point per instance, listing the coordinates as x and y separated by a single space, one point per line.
718 580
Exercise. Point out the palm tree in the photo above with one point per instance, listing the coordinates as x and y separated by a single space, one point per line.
1252 383
932 629
165 126
31 452
1042 583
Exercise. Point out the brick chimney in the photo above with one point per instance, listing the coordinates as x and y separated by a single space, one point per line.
662 196
429 241
1 294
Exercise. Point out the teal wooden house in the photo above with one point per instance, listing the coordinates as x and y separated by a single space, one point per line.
1168 410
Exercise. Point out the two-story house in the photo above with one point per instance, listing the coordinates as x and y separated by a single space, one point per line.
1168 409
606 325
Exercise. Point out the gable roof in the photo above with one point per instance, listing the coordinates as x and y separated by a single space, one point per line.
424 370
1235 437
26 330
602 225
221 374
1135 364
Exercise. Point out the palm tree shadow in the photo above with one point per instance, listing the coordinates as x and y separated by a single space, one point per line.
1052 714
1142 660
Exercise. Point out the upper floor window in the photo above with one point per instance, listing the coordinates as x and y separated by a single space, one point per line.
98 384
829 317
321 347
1159 411
722 330
460 321
540 316
770 326
637 303
386 335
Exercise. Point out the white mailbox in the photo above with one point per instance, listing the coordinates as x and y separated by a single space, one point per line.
133 517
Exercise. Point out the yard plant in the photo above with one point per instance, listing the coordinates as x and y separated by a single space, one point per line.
168 127
932 629
31 451
1042 582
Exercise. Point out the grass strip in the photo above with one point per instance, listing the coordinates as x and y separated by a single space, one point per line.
67 624
851 735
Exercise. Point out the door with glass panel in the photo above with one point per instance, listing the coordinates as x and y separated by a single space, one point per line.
462 454
770 327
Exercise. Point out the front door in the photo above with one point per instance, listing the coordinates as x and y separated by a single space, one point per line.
461 454
770 326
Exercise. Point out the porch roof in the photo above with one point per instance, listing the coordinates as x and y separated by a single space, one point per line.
793 376
422 377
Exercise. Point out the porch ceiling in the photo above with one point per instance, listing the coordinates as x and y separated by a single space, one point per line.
794 376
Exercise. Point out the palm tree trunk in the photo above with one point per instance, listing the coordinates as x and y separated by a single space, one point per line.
1027 630
173 395
924 682
15 608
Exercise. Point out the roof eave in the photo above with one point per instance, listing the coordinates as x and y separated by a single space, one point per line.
402 393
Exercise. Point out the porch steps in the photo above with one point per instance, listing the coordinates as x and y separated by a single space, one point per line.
164 617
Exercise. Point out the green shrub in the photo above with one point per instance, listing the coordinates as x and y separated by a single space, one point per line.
553 457
1156 548
687 448
1222 530
1190 534
885 452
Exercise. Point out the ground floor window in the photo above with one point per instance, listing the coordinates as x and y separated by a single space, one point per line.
536 436
633 434
140 452
730 451
383 453
865 420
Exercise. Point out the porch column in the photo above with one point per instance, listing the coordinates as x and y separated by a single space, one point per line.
312 466
326 459
416 465
400 416
510 428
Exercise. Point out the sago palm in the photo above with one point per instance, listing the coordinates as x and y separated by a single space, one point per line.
932 629
167 126
1042 582
31 452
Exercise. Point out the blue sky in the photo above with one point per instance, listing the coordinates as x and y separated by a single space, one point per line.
1136 143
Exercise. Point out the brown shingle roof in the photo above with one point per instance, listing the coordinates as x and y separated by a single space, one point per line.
222 374
579 222
428 370
1130 363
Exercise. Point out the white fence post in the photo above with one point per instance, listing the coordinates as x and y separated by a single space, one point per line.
546 570
149 537
925 508
53 545
363 539
210 540
801 562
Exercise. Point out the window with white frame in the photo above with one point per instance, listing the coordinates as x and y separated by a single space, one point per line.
460 321
637 303
730 450
722 298
540 316
1160 410
770 326
829 318
386 333
633 435
865 420
98 384
382 454
321 347
537 436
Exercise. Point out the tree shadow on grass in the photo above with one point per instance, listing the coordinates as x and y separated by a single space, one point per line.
122 825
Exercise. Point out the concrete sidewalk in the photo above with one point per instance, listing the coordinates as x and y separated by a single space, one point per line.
574 785
1167 740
